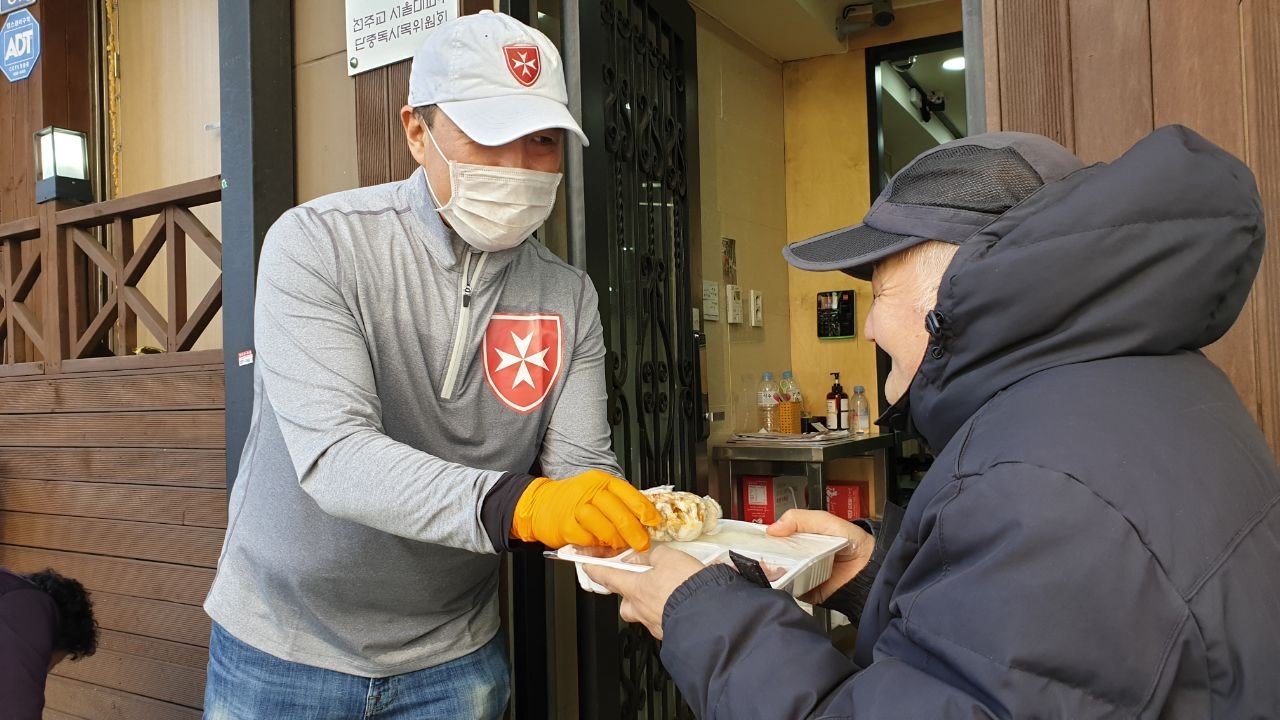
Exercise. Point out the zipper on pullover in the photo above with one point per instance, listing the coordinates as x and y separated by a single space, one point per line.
463 332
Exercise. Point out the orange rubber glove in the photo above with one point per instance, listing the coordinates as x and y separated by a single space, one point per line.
588 510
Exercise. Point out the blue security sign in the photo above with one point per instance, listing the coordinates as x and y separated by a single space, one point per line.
10 5
19 45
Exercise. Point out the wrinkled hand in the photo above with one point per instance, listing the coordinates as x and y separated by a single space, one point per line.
644 595
593 508
848 562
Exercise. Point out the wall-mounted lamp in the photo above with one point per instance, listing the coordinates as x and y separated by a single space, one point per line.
62 166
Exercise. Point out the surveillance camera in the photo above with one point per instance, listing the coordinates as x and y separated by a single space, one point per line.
881 16
904 64
882 12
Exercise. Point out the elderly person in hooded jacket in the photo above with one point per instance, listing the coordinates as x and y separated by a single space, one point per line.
1099 535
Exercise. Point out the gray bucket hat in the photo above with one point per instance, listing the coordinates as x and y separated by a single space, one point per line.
947 193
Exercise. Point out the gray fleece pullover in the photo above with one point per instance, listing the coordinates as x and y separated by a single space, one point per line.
404 386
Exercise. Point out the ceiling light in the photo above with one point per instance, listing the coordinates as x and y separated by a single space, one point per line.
955 63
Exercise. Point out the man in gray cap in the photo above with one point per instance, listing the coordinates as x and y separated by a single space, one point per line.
417 358
1099 532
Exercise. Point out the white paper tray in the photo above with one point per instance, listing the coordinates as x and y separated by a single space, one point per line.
807 558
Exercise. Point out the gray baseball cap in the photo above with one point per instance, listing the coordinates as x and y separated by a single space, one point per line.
947 193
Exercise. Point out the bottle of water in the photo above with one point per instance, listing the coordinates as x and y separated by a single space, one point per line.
767 402
788 388
861 411
790 415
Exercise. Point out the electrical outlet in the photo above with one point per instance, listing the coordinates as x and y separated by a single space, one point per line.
733 294
757 308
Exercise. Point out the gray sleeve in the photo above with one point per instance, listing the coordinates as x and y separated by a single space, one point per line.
318 377
579 437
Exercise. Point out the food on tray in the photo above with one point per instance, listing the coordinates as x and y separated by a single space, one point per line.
685 516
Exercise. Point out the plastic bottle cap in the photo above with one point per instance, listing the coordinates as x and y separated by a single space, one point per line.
767 376
786 375
859 388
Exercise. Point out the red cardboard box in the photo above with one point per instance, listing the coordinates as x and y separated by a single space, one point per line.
764 498
848 501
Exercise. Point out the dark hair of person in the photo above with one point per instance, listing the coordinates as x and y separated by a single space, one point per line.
77 633
428 114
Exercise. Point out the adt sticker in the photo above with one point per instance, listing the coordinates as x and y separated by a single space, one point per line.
20 43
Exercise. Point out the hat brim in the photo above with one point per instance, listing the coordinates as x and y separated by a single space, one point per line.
852 250
499 120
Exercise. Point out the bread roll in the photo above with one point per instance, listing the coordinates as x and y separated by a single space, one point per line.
685 516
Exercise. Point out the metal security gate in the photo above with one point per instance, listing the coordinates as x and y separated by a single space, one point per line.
639 106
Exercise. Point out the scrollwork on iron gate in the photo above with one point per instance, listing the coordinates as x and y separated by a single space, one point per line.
652 365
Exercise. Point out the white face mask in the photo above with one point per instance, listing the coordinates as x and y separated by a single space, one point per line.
495 208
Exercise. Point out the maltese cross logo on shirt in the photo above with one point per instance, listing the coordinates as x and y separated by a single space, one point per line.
522 358
524 63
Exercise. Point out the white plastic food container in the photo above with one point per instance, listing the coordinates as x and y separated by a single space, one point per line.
807 559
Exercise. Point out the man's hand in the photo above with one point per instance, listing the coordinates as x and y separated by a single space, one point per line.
594 508
644 595
848 562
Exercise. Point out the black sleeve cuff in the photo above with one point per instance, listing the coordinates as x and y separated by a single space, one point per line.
871 526
499 510
850 599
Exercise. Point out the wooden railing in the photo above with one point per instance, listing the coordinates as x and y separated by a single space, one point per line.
69 284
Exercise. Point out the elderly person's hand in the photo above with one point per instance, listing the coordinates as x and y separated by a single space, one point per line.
848 562
644 595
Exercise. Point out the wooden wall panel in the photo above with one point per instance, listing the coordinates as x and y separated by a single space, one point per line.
164 650
65 30
1114 70
84 700
49 96
117 479
155 679
17 176
1196 70
197 429
1034 46
142 541
136 578
1111 77
1261 25
991 62
383 155
145 466
1201 85
373 127
164 391
152 618
402 163
199 507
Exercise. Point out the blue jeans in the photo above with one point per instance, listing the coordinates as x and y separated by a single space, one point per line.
247 684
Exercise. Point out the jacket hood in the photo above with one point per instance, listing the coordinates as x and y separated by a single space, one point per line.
1152 254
